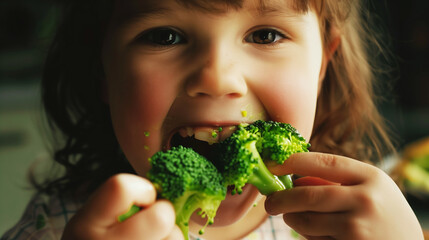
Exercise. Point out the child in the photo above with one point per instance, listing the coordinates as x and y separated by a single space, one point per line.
124 77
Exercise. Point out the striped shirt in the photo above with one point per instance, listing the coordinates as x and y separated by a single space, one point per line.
45 218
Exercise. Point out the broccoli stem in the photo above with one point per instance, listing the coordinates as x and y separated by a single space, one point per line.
133 210
184 207
286 180
188 204
262 178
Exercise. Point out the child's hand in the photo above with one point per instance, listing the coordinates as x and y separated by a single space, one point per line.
98 218
367 204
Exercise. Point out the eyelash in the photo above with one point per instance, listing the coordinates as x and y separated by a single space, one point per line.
266 36
161 37
164 37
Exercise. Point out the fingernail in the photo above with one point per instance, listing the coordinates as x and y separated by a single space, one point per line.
269 204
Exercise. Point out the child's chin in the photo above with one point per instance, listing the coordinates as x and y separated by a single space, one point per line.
233 208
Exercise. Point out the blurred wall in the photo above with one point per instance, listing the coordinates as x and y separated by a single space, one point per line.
26 27
408 26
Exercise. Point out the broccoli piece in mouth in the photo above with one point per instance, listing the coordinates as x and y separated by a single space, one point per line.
241 157
190 182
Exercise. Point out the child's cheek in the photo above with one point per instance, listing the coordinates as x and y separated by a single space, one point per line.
299 112
288 89
139 103
291 99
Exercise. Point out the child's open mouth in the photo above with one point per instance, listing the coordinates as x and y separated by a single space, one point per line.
201 139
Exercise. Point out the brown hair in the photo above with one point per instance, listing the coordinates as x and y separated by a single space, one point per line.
82 135
347 121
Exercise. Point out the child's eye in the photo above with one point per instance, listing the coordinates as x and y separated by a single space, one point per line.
265 36
162 36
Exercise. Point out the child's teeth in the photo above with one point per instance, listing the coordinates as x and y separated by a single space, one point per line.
186 132
206 136
183 133
226 132
189 131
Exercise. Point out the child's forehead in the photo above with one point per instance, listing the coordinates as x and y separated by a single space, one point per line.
128 9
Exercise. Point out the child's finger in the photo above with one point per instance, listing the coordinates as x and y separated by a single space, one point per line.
154 222
312 181
116 196
334 168
330 198
319 225
175 234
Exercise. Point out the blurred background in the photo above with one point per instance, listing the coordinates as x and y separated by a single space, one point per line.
26 28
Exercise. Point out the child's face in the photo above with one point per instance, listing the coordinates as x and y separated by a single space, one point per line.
171 68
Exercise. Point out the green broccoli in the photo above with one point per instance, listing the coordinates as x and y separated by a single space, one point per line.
241 156
190 182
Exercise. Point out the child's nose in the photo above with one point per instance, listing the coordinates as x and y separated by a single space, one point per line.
219 76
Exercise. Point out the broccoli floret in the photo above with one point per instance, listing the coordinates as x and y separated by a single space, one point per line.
278 141
190 182
241 156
